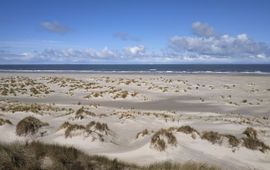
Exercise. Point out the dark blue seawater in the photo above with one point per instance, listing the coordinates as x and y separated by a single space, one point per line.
156 68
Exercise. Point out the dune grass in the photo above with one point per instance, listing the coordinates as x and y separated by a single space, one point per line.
29 125
4 121
32 107
233 141
252 142
80 113
186 166
36 156
92 127
211 136
142 133
187 130
162 138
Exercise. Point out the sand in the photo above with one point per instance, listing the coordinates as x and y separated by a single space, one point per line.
130 103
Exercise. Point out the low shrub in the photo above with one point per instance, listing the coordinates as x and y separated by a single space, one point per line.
29 125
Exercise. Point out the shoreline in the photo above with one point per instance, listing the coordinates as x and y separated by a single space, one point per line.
165 73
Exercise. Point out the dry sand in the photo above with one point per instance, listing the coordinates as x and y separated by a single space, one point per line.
130 103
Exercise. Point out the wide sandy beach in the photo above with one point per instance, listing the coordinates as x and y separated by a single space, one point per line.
218 119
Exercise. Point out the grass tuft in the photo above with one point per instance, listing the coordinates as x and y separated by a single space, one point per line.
142 133
250 132
187 130
211 136
252 142
233 141
29 125
4 121
81 112
161 138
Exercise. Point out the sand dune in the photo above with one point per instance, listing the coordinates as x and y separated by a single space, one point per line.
222 120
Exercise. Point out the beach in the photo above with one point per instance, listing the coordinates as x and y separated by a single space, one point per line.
219 119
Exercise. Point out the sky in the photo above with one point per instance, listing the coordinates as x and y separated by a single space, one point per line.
134 31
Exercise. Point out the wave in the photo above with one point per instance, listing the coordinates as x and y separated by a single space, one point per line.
151 71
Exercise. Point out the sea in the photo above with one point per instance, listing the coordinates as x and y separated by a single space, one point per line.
142 68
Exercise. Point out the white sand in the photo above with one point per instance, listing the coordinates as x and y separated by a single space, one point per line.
215 105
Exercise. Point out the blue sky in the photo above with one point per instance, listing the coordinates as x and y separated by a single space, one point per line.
129 31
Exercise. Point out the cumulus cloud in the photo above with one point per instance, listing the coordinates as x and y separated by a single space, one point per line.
54 26
207 43
205 46
124 36
135 50
71 55
133 54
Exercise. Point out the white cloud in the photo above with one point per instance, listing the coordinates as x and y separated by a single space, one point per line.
54 26
135 50
106 52
220 46
72 55
205 47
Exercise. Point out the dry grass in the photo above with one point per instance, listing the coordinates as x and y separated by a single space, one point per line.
69 128
126 116
64 125
81 112
102 127
250 132
4 121
29 125
72 127
161 138
34 91
211 136
133 94
215 137
34 108
72 83
186 166
32 156
142 133
252 142
187 130
121 94
4 91
22 85
233 141
91 128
